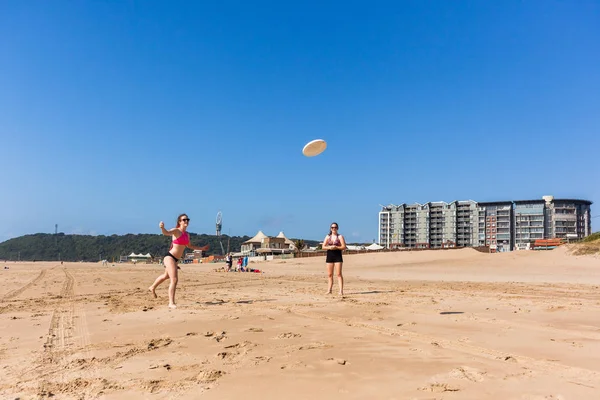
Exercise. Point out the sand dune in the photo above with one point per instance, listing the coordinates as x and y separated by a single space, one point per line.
453 324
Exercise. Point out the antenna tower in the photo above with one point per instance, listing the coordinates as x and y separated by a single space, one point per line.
56 239
219 225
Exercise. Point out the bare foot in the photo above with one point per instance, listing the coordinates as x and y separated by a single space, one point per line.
329 292
151 289
341 293
172 306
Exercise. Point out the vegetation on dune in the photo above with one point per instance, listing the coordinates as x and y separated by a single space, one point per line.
50 247
589 245
591 238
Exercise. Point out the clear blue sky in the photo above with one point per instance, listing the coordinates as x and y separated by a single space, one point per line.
115 115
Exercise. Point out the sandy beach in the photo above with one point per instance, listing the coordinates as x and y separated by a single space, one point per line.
454 324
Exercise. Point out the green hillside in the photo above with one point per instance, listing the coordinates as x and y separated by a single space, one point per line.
50 247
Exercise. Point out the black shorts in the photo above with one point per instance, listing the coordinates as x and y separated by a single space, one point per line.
334 256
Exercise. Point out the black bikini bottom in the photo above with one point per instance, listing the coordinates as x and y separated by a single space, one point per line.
172 256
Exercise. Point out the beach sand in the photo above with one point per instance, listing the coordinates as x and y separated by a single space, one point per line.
454 324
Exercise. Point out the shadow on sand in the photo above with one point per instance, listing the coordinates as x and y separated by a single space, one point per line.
219 302
372 292
253 301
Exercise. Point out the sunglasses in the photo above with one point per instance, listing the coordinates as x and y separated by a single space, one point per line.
334 227
185 219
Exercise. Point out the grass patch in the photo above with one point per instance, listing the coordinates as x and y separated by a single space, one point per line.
592 238
588 246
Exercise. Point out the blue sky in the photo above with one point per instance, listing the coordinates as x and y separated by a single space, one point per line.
115 115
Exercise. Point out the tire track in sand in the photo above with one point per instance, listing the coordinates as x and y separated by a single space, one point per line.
61 323
18 291
67 335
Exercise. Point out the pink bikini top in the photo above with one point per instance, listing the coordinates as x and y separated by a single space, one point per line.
184 239
336 243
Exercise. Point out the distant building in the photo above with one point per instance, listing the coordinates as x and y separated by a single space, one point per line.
135 258
501 225
193 255
263 244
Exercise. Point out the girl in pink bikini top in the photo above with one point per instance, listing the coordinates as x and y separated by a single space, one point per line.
184 239
170 260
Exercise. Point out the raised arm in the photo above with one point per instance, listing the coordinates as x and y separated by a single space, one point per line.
166 232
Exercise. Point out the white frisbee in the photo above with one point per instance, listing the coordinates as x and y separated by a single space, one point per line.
314 148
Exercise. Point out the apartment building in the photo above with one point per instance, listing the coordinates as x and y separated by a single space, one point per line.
430 225
498 224
569 218
467 227
501 225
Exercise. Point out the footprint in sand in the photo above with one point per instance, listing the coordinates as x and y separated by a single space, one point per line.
261 359
220 336
166 366
254 330
287 335
240 345
317 345
224 354
73 387
298 364
158 343
471 374
209 375
339 361
439 388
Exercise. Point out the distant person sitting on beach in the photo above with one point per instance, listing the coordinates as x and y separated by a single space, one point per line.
334 243
181 240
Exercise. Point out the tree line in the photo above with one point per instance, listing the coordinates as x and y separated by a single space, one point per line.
55 247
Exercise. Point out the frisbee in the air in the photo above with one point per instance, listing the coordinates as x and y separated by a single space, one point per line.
314 148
